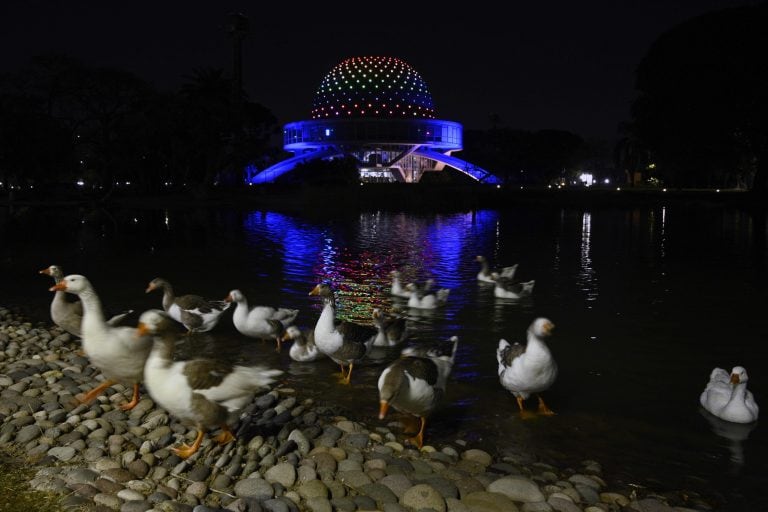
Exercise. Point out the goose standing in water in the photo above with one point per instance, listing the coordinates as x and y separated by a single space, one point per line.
486 274
194 312
727 397
118 353
508 288
530 368
263 322
202 392
415 383
344 342
303 348
392 329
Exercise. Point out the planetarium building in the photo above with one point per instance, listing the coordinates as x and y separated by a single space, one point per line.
379 111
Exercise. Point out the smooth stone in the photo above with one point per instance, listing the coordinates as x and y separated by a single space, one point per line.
588 494
398 484
197 489
479 456
275 505
344 504
539 506
584 480
305 474
483 501
199 473
517 488
614 498
423 496
354 479
130 495
108 500
254 488
28 433
135 506
319 504
454 505
312 489
563 505
468 485
380 493
649 505
283 473
301 441
80 476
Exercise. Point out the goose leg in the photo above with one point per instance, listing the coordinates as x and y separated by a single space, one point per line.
349 374
185 451
526 415
134 400
418 439
343 375
96 391
543 409
226 435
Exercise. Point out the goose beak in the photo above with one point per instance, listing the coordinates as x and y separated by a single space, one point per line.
734 378
149 288
142 329
228 298
383 408
59 287
46 271
315 290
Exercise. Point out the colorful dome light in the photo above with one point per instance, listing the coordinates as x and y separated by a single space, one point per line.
375 87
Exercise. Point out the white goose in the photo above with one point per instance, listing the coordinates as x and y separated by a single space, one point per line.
118 352
303 348
202 392
426 300
194 312
397 289
262 322
508 288
529 368
69 314
392 329
486 275
344 342
415 383
727 397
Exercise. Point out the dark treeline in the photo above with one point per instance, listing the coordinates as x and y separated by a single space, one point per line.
700 120
64 122
701 115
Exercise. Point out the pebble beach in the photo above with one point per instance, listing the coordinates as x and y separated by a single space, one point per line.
291 454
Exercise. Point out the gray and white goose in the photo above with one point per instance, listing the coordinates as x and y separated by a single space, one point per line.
193 311
392 329
509 288
69 314
345 342
486 274
261 322
118 353
528 369
303 349
415 383
204 393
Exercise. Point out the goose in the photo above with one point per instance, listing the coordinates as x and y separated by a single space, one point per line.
69 315
392 329
507 288
486 275
303 348
261 322
202 392
415 383
727 397
427 300
194 312
529 368
118 353
344 342
402 291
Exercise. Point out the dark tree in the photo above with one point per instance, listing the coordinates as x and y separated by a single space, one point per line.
703 103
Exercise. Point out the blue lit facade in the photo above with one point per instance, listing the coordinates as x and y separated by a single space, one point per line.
379 111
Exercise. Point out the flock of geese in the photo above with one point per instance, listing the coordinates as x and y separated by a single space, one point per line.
207 393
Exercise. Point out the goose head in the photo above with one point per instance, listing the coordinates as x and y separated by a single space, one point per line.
73 283
157 284
739 375
235 296
153 321
480 259
54 271
293 333
542 327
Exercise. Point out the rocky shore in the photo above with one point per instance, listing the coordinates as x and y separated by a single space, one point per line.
292 454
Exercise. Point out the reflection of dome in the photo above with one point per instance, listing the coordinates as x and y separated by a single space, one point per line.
378 87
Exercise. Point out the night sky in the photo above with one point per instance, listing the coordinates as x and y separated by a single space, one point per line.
557 64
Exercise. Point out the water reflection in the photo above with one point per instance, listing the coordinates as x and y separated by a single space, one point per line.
734 434
587 279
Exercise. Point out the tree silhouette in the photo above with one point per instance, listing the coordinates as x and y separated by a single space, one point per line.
703 103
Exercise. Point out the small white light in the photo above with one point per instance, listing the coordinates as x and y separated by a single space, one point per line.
663 190
80 183
606 181
361 183
498 186
521 187
618 188
718 190
550 186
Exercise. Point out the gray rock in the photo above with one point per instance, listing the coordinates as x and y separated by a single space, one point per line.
130 495
517 488
539 506
283 473
354 479
584 480
423 496
319 505
108 500
649 505
313 489
468 485
379 492
135 506
80 476
483 501
28 433
275 505
344 504
254 488
479 456
301 441
562 505
199 473
398 484
588 494
63 453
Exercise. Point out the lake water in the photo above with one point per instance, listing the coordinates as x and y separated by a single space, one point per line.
646 301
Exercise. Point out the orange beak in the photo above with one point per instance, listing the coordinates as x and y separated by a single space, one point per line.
58 287
734 378
142 329
46 271
383 408
149 288
315 290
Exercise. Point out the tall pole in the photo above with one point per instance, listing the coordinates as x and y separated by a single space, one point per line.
238 29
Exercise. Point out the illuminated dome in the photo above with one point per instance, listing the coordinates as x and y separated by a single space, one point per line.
373 87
